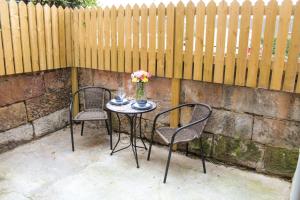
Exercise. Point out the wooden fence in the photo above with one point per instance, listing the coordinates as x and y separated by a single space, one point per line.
230 44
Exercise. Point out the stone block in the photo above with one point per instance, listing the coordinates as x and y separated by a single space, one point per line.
207 142
85 77
12 116
11 138
236 151
51 123
159 89
47 103
57 80
277 133
199 92
236 125
18 88
294 113
280 161
110 80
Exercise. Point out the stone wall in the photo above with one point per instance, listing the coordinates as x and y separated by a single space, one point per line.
253 128
32 105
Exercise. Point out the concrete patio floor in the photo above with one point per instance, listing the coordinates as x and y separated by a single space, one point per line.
48 169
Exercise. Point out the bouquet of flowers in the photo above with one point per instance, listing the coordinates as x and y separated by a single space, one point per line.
140 76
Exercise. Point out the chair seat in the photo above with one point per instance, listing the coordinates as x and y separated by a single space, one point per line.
91 115
183 136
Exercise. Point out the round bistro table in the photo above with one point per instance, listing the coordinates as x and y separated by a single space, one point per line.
132 115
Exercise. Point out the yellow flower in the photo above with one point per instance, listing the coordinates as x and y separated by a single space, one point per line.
145 79
134 80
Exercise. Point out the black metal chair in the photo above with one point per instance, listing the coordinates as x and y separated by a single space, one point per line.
92 101
184 134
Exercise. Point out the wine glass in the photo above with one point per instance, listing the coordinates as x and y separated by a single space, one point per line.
121 93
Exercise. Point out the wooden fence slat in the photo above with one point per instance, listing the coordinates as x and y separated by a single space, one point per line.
55 37
221 28
144 37
281 42
152 40
48 35
76 38
107 38
62 37
293 54
121 39
135 27
209 42
243 44
178 46
161 40
114 58
198 55
25 36
265 63
34 51
82 27
41 37
100 39
2 65
231 42
87 38
68 36
189 41
170 40
93 37
16 36
258 12
128 47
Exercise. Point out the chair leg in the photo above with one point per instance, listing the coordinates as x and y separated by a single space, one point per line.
72 137
168 163
187 149
82 126
109 133
202 156
150 146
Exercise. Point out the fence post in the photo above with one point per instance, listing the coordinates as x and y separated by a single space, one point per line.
74 81
175 99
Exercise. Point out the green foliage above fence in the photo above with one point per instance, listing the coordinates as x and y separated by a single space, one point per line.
67 3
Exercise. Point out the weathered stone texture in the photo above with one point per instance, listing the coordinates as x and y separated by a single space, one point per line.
280 161
231 124
58 80
51 123
85 77
18 88
110 80
277 133
12 116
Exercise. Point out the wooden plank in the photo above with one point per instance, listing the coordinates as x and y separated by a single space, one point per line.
6 35
170 40
48 35
144 37
152 40
221 27
198 55
231 42
179 28
62 37
68 36
175 93
76 37
258 12
100 39
121 39
2 64
107 38
25 36
128 48
265 63
294 51
114 59
161 40
34 51
16 36
189 41
281 42
241 67
41 37
93 37
209 41
135 27
55 37
88 27
81 31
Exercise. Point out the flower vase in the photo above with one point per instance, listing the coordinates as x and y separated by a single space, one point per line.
141 97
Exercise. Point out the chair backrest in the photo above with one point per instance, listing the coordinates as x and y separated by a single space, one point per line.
93 98
200 112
